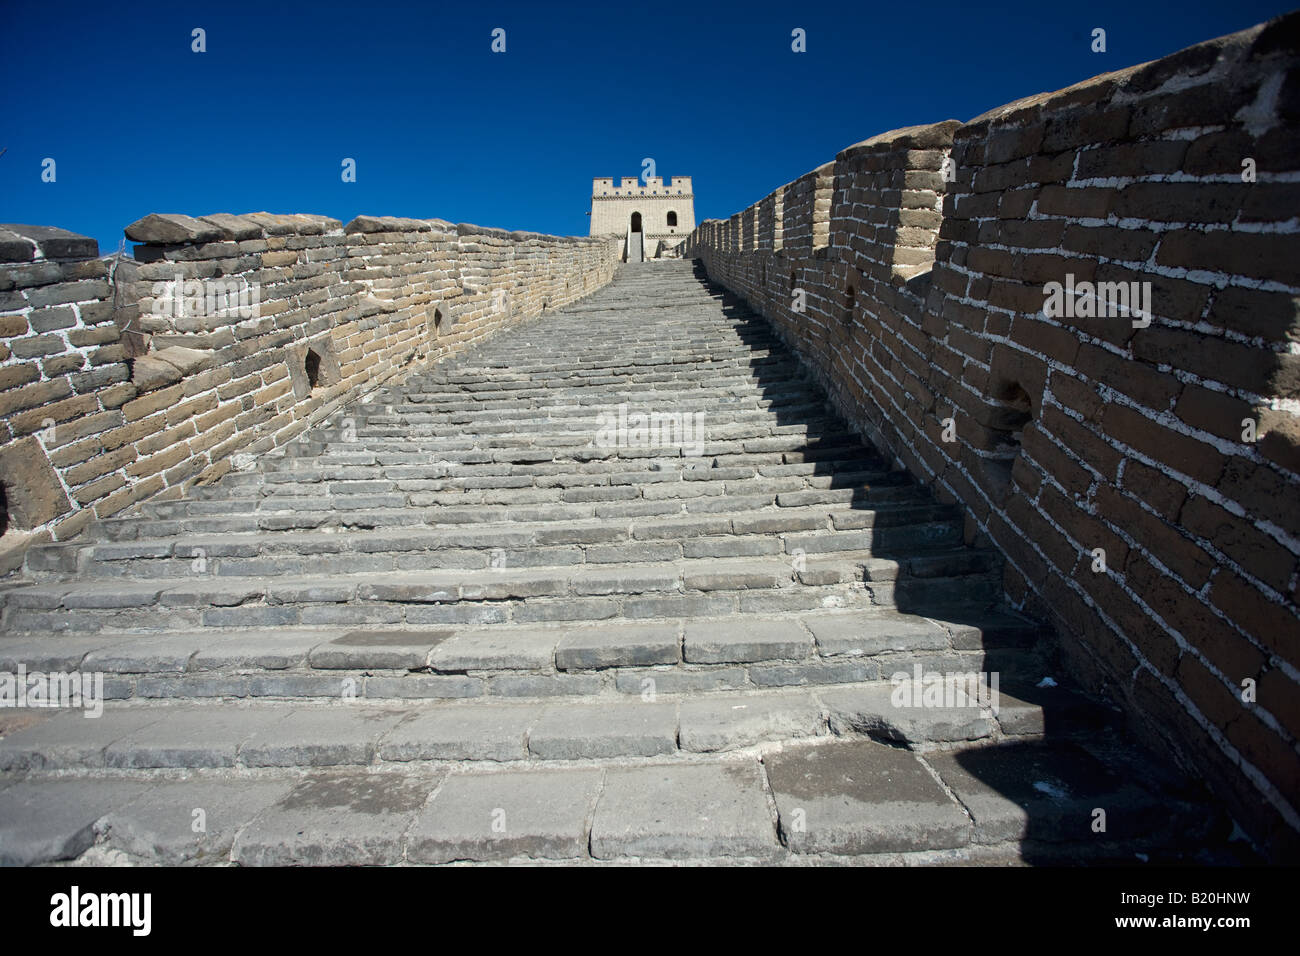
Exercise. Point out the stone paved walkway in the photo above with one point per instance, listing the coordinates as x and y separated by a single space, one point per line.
482 617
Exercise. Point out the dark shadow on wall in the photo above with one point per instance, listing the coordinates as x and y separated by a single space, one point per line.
1086 792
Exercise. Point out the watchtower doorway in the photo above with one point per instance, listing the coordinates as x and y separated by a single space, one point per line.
635 240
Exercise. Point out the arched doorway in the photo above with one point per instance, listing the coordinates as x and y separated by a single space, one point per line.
636 222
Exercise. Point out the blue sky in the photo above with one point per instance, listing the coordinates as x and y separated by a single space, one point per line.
441 126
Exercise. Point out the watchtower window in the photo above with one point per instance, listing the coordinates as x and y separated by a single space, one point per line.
437 321
672 218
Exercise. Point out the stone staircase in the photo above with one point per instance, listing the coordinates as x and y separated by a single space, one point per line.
469 619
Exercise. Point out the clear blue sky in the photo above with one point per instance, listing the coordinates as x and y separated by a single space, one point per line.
441 126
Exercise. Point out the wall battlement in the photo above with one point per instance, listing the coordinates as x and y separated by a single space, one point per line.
1138 467
127 379
604 188
663 214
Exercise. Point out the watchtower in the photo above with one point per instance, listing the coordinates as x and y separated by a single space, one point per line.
648 214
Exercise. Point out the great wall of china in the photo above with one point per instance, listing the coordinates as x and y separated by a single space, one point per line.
1130 476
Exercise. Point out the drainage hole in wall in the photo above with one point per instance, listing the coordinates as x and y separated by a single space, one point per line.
312 367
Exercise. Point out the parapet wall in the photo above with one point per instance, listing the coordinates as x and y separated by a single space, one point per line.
1139 469
124 379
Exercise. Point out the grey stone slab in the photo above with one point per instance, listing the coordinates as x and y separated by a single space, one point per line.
270 650
745 639
320 737
480 730
378 649
544 685
856 797
193 736
630 645
625 727
424 686
869 633
321 685
900 712
496 649
117 594
539 814
728 721
682 811
162 653
46 653
68 739
43 820
1051 793
191 685
662 680
813 672
213 592
337 818
189 821
1025 709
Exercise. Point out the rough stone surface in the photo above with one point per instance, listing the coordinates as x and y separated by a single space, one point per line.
191 821
573 731
33 493
627 646
319 737
55 819
680 812
746 640
472 731
861 797
539 814
729 721
336 817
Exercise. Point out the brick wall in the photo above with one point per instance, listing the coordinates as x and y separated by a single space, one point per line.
1169 440
112 391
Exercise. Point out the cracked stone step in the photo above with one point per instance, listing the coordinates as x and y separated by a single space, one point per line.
829 636
178 735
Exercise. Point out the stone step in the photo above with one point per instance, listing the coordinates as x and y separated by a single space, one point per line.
628 513
366 479
312 489
562 593
613 657
910 539
291 797
346 730
547 500
575 429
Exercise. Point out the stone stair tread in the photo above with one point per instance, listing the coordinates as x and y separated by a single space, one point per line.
444 585
157 735
569 646
832 798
